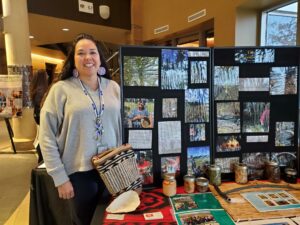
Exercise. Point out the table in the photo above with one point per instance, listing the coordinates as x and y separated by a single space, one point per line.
46 208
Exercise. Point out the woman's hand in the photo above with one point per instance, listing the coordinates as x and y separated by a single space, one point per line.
66 191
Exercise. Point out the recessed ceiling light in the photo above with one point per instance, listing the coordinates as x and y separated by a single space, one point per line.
65 29
31 36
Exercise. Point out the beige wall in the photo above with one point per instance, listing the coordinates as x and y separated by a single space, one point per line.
235 22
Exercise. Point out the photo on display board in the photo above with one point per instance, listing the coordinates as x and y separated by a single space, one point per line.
254 84
286 159
284 134
197 132
226 82
256 117
197 159
228 143
169 137
140 139
169 107
227 164
254 55
174 69
257 138
283 80
141 71
145 165
138 113
198 72
196 105
170 165
256 163
228 117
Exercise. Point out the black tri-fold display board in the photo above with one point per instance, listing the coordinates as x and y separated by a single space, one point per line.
186 108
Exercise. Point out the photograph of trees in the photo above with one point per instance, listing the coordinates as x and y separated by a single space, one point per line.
198 159
140 71
198 72
228 117
174 69
226 83
254 84
284 134
283 80
197 105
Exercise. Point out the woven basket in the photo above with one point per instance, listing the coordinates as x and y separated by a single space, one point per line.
118 169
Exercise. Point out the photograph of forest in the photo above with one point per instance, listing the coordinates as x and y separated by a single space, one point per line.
198 72
254 84
140 71
256 117
198 159
138 112
228 143
197 105
174 69
227 164
226 82
283 80
287 159
257 138
169 107
197 132
256 163
284 134
228 117
254 55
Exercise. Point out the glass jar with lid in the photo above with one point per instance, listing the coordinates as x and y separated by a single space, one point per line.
169 185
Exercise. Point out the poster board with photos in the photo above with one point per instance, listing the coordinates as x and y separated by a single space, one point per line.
255 96
166 109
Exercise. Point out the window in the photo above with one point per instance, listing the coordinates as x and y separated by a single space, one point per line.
279 26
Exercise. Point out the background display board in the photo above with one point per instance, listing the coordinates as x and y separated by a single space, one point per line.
185 108
255 106
166 109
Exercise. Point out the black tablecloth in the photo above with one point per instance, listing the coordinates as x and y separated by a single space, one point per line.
46 208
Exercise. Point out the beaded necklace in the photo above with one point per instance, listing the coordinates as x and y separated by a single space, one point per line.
99 130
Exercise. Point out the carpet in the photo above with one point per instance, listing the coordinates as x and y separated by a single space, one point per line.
15 170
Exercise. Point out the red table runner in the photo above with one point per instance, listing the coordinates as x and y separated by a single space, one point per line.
151 201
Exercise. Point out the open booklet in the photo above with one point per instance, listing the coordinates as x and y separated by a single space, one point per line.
199 208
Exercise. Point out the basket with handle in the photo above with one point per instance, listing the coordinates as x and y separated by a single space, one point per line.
118 169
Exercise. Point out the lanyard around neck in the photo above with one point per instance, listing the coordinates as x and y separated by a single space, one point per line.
98 112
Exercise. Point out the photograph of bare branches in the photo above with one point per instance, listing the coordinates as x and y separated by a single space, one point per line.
285 159
227 164
284 134
174 69
228 117
198 159
170 165
228 143
169 137
256 117
140 71
197 105
138 113
198 72
254 84
197 132
169 107
254 55
283 80
257 138
255 163
226 82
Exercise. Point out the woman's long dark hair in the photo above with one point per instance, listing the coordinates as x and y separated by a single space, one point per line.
69 65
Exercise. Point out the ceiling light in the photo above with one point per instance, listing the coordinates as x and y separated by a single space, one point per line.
31 36
65 29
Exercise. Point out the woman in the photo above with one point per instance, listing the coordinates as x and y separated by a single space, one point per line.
38 88
80 118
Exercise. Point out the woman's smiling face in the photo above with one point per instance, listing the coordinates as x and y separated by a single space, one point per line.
86 58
